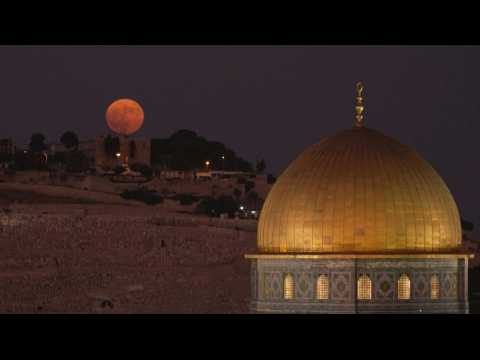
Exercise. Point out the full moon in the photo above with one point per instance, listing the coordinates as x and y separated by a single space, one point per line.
124 116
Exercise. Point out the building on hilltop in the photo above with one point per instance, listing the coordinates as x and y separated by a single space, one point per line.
136 150
87 147
359 223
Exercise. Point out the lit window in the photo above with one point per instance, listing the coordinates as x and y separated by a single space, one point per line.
434 287
322 287
288 287
403 287
364 288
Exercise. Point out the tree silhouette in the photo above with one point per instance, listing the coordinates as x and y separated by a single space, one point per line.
253 200
271 179
249 185
185 150
237 193
37 143
261 166
70 140
77 162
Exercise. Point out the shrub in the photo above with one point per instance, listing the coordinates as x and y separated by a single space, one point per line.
207 206
271 179
186 199
77 162
118 169
237 193
105 167
227 205
147 196
215 207
249 185
144 169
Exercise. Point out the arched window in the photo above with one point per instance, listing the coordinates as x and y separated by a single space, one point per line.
288 287
403 287
322 287
434 287
364 288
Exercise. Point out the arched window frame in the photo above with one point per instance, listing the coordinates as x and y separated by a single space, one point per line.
288 287
434 287
323 287
364 287
404 286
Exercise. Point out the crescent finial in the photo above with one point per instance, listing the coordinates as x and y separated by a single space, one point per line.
359 108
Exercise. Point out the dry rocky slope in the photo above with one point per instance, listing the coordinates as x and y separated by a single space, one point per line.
114 258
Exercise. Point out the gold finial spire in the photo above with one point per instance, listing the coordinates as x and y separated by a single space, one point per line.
359 106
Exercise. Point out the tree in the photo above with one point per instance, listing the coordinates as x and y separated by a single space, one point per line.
70 140
253 200
249 185
118 169
148 196
77 162
226 204
261 166
37 143
37 148
215 207
466 225
111 145
23 160
271 179
185 150
207 206
237 193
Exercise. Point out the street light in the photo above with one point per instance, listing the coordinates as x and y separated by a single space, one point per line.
223 162
207 164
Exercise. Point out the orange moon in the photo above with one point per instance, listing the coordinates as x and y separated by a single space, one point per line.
124 116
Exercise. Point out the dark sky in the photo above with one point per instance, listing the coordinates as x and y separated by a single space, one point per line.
268 100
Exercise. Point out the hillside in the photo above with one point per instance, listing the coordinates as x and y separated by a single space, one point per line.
185 150
90 258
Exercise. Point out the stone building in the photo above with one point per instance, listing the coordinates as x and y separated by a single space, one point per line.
139 154
359 223
87 147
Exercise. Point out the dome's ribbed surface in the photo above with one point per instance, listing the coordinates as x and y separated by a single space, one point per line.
359 192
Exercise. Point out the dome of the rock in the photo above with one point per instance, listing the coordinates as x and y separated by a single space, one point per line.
359 223
359 191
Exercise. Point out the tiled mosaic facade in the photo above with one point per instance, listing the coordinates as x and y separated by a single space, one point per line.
268 282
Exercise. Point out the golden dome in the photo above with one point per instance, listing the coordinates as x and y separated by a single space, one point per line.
359 192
